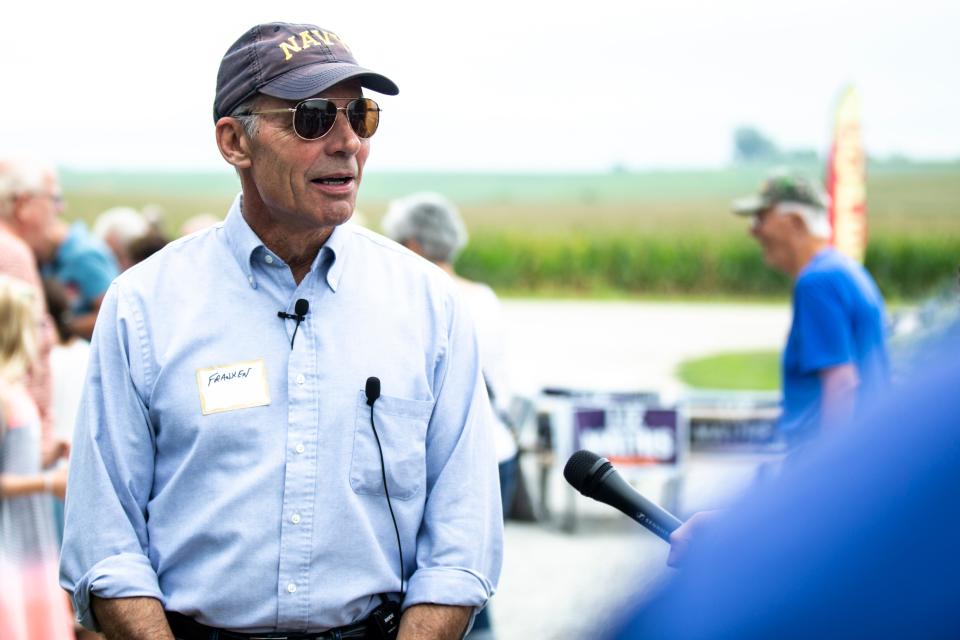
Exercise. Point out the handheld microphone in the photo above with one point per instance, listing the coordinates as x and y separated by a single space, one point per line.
596 478
300 310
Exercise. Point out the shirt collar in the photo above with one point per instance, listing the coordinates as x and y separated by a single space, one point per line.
243 243
241 239
335 247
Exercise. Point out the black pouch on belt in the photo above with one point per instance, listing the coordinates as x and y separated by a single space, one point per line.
386 618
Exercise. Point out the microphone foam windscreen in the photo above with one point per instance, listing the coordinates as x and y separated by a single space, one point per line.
302 307
372 389
578 468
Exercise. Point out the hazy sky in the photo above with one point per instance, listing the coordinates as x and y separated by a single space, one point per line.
496 85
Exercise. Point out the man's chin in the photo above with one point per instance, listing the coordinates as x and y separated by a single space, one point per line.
775 264
335 213
340 217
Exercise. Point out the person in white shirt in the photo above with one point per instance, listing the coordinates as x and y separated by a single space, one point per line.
68 362
431 226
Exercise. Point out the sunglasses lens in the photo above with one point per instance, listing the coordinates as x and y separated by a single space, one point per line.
364 116
314 117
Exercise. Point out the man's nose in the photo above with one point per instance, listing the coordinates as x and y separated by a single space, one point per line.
342 138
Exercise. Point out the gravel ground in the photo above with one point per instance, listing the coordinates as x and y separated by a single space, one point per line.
559 586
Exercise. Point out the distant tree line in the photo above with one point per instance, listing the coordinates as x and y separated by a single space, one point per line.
751 146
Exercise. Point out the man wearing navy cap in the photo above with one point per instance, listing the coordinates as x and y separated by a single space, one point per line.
285 431
836 355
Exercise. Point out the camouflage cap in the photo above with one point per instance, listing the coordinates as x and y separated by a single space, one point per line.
290 61
781 187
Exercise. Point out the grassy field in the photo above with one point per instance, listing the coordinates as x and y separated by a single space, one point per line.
659 233
742 371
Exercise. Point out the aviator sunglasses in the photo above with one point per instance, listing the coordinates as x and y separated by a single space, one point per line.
313 118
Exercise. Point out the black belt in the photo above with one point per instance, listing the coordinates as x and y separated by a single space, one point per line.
185 628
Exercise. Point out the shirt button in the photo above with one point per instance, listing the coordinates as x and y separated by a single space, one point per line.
291 588
300 448
268 259
295 518
301 379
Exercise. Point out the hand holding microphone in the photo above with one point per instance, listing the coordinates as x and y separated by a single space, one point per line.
684 537
596 478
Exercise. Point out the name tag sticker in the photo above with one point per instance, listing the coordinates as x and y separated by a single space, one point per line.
233 386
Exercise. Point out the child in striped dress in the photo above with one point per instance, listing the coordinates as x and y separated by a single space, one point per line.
32 604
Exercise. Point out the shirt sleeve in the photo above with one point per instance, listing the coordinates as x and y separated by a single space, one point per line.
460 542
823 325
105 544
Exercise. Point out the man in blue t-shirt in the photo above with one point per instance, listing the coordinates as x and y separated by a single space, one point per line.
77 260
836 353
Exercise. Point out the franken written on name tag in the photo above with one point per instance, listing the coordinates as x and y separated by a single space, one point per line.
233 386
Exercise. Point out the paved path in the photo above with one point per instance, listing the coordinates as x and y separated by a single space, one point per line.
628 345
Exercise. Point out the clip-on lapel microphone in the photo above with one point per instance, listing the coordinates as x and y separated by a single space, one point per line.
300 311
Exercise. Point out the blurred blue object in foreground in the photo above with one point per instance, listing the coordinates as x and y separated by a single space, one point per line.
857 538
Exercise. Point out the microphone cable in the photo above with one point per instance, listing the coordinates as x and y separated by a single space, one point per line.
372 392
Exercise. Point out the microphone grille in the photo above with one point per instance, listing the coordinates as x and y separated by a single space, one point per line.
372 390
578 468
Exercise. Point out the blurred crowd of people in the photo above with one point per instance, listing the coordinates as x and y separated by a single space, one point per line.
53 277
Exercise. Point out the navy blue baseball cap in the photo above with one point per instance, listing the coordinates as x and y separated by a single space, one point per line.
289 61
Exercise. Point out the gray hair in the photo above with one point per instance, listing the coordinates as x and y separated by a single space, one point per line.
244 113
19 176
124 223
816 219
429 219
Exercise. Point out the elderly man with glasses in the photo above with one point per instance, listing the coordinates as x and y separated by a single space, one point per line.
67 252
29 199
285 432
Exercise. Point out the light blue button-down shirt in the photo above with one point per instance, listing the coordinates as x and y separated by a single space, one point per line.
274 517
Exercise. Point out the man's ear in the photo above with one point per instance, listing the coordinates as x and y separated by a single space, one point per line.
413 245
16 207
233 142
797 223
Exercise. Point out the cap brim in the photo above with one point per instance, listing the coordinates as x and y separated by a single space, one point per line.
749 205
309 80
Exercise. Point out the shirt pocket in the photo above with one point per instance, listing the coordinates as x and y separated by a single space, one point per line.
402 428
